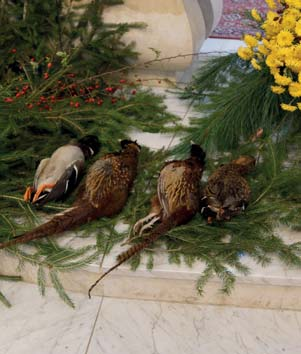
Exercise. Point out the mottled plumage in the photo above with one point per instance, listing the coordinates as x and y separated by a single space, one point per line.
227 192
104 193
177 201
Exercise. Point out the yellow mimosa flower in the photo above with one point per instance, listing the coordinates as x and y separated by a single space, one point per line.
294 3
288 107
293 64
285 38
250 40
288 22
294 89
263 50
255 64
271 4
272 61
298 28
282 80
277 89
245 53
255 15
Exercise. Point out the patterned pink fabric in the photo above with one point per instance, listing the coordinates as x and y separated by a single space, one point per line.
233 23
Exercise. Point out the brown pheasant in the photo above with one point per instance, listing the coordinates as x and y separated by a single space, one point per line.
227 193
176 203
104 193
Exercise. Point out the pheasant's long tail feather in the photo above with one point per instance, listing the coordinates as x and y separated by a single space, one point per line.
158 231
67 220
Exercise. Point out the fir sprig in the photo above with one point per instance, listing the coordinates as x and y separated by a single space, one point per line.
232 102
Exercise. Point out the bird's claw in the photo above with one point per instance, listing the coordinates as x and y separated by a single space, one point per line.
27 194
139 228
149 225
40 191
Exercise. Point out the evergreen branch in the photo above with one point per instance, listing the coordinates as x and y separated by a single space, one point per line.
59 288
4 300
10 277
69 122
41 280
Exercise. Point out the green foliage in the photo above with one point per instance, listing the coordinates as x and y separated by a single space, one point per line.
234 101
3 299
59 288
24 132
60 81
36 29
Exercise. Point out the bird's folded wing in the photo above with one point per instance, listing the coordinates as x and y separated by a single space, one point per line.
65 184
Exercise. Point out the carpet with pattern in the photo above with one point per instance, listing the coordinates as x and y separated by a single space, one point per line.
233 23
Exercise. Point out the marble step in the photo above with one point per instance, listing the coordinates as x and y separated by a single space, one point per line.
275 286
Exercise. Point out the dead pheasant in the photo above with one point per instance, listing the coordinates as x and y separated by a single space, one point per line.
176 203
104 193
227 193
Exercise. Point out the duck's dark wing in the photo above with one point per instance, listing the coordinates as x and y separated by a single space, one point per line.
65 185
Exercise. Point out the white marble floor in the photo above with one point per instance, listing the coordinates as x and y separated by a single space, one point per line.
36 325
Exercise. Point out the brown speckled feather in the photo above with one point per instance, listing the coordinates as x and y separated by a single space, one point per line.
109 173
178 186
227 192
176 203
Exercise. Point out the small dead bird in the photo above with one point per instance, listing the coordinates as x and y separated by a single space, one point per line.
176 202
104 194
59 174
227 193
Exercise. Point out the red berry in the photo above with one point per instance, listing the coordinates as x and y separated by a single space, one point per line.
30 106
134 92
109 89
14 50
113 100
122 81
49 65
46 76
76 104
99 102
8 99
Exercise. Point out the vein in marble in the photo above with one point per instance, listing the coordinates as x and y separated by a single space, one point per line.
45 325
135 327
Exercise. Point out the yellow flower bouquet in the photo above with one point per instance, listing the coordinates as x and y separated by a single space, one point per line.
278 47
